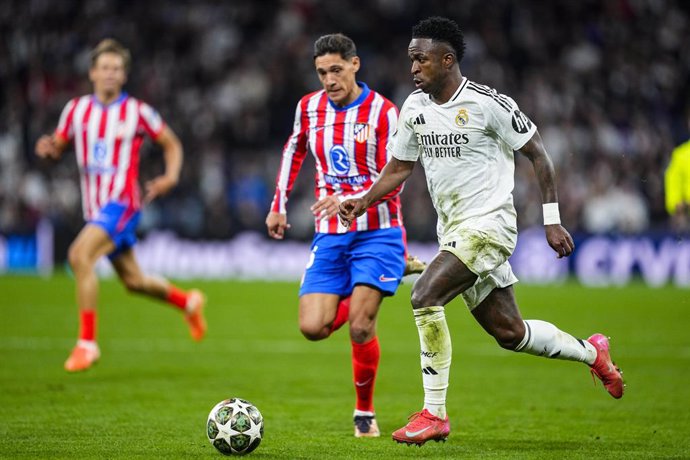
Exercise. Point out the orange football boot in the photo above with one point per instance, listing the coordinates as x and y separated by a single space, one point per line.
194 314
83 356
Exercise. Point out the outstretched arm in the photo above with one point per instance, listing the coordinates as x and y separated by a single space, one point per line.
294 153
50 146
558 237
172 154
393 174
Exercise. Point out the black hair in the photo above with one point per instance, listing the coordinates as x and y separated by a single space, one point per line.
441 30
335 44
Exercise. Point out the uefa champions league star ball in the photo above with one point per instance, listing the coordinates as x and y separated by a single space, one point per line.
235 427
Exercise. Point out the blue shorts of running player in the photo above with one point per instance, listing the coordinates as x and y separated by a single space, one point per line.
120 223
339 262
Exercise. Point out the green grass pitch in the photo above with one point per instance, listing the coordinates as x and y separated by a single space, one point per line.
153 388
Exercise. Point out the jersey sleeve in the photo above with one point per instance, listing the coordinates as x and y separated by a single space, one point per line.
403 143
294 152
391 121
505 119
65 128
150 120
388 121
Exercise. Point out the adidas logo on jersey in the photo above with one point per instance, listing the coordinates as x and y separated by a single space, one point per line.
419 120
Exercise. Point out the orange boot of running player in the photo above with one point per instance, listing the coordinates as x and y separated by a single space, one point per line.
194 314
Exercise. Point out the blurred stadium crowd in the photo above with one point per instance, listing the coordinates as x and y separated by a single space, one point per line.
607 82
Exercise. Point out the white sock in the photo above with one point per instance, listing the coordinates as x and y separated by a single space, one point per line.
88 344
436 351
545 339
363 413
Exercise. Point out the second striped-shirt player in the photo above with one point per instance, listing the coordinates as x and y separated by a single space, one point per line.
107 128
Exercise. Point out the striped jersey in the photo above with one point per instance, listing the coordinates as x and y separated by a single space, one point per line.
349 148
107 140
466 148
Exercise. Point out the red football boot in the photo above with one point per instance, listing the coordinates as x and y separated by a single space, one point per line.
423 427
605 369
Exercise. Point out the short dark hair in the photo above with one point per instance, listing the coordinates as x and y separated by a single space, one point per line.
443 30
335 44
109 45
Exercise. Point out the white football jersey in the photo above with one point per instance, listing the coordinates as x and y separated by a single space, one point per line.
466 148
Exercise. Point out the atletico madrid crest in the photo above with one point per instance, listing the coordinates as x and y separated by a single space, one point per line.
362 131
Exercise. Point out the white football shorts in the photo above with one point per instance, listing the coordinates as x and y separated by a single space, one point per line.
484 246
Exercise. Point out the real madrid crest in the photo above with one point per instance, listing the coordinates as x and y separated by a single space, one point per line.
462 118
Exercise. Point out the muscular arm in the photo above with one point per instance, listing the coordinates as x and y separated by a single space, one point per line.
543 167
173 156
393 174
558 237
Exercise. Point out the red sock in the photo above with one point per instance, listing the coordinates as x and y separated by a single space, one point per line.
87 325
365 364
341 314
177 297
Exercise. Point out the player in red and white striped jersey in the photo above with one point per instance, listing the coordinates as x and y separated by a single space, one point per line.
346 127
108 128
349 146
107 139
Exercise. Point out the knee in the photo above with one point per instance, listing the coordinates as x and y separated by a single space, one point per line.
77 258
423 297
134 284
416 299
361 333
313 331
509 337
363 322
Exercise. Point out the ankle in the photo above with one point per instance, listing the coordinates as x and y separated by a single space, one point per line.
437 410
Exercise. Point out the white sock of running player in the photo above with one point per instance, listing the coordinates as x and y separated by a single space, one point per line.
436 351
545 339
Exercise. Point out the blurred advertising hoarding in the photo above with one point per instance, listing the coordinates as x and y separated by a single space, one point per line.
28 252
599 260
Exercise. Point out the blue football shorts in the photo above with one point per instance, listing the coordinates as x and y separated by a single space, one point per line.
120 223
339 262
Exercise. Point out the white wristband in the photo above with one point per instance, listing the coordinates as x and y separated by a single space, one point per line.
551 214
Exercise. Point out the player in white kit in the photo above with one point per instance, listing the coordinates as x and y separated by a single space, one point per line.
464 134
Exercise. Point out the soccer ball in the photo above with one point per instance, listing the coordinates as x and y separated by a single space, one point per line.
235 427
